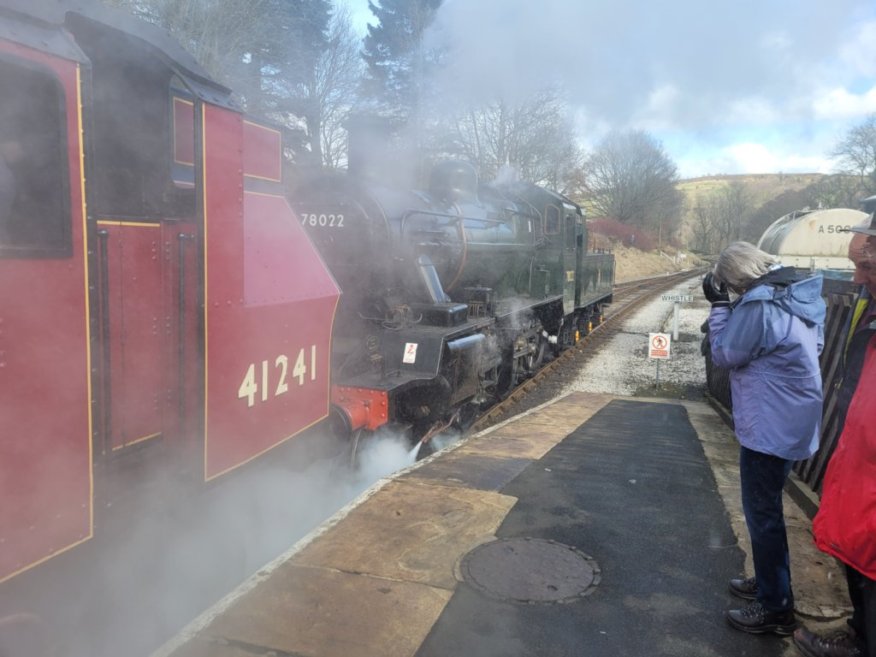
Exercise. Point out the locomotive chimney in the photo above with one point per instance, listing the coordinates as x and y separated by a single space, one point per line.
454 181
373 150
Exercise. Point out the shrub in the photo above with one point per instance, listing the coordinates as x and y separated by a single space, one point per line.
623 233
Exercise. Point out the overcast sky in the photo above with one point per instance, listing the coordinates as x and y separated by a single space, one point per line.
746 86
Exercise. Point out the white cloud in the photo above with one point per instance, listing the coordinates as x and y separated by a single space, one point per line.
750 158
840 103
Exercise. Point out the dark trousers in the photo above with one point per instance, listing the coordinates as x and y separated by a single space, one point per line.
862 592
763 477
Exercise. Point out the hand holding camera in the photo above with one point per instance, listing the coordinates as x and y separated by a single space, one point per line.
715 291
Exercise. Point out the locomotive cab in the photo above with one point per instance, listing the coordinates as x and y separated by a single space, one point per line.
152 321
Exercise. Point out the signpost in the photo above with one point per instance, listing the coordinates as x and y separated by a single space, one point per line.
677 300
658 348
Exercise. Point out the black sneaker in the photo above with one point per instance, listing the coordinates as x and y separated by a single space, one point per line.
745 588
754 619
839 644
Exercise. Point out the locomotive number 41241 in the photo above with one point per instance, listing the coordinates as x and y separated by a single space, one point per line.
323 220
261 379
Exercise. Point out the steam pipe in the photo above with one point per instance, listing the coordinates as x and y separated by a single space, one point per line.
467 342
431 280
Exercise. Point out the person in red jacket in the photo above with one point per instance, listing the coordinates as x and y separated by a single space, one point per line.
845 525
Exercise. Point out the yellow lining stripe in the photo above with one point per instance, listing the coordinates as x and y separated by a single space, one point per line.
247 191
206 277
136 224
139 440
81 136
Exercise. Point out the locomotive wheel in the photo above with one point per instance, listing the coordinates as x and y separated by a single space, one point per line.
562 341
356 443
534 360
507 376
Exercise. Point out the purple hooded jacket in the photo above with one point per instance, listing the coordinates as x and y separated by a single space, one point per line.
770 339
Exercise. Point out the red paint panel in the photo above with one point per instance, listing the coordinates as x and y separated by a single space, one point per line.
45 458
267 371
262 152
275 247
137 331
365 407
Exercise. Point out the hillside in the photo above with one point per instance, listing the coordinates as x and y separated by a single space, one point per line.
759 188
632 264
762 187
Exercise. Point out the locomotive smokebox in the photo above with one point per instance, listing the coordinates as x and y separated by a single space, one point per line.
454 181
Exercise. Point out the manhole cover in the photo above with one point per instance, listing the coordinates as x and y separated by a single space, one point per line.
530 570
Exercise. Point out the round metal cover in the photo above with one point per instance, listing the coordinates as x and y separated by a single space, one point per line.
530 570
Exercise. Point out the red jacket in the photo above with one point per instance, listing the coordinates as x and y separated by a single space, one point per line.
845 525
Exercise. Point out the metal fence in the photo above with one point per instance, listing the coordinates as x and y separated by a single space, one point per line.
840 297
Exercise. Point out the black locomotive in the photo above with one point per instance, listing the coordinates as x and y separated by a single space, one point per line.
450 295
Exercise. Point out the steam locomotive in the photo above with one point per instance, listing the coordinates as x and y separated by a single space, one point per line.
164 310
451 294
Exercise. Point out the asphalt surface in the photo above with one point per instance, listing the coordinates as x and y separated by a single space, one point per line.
633 501
631 488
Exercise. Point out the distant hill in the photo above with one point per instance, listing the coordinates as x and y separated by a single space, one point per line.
763 190
763 186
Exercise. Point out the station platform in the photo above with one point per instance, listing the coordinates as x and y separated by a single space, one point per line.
592 525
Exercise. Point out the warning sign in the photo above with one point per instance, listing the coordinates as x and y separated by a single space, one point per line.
410 355
658 345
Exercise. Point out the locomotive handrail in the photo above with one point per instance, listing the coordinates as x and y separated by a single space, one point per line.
463 259
104 328
456 218
182 356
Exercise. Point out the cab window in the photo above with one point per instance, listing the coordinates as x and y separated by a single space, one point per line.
551 220
570 232
34 200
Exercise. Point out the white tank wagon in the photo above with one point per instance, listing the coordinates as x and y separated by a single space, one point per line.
813 239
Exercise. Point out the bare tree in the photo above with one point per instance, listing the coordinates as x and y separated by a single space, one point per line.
856 152
217 33
534 138
838 191
325 98
631 178
702 227
722 216
733 205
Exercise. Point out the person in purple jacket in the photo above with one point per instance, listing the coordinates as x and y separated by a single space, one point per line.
769 337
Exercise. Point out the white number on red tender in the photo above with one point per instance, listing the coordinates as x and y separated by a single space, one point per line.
260 378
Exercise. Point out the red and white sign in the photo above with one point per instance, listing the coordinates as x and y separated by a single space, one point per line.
410 353
658 345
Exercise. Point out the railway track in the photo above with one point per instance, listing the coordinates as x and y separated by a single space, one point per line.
628 298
